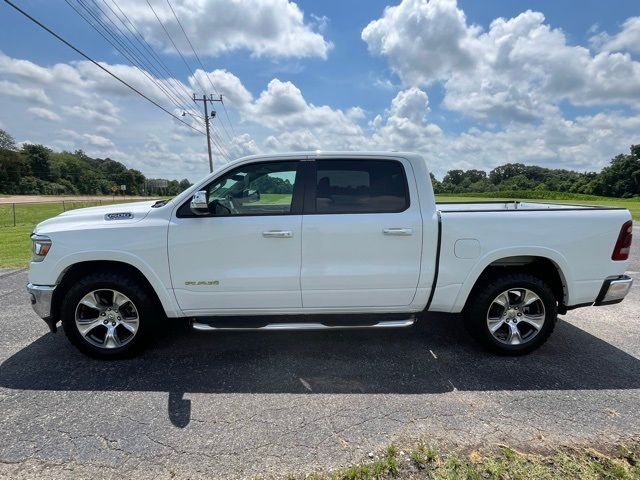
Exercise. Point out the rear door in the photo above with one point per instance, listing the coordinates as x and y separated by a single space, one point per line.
361 234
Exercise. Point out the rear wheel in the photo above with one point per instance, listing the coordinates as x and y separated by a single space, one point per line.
513 314
107 315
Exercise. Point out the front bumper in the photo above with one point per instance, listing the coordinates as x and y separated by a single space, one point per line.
41 298
614 289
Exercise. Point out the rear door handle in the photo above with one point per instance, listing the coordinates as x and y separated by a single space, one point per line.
277 234
398 231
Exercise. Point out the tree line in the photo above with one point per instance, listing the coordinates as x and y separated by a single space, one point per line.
621 178
36 169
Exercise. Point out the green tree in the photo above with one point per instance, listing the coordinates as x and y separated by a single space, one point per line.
622 177
6 141
38 157
13 167
505 172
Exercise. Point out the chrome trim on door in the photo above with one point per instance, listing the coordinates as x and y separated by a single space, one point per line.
277 234
398 231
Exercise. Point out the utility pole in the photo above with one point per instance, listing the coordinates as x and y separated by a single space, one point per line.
204 100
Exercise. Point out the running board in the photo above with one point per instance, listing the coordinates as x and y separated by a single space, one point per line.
298 326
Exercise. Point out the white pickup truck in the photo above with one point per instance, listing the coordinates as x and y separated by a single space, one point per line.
323 240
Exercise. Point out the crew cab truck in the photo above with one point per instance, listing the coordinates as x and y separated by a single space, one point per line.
323 240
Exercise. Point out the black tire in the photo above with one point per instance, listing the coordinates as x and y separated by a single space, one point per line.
144 304
482 299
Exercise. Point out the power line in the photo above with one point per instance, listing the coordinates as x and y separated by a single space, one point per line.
147 63
189 69
205 72
145 44
127 54
77 50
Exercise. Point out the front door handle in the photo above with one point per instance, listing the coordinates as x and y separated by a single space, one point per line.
398 231
277 234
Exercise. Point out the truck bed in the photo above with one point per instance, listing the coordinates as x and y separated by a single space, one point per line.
577 239
497 206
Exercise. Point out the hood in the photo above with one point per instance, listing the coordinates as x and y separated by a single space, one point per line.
95 216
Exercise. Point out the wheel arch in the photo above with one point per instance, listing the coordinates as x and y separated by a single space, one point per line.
80 269
548 265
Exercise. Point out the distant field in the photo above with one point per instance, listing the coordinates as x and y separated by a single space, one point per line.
15 243
33 213
70 198
275 198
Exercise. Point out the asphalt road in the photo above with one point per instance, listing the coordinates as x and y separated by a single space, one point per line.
241 404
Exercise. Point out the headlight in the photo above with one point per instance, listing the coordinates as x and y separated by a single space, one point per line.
41 246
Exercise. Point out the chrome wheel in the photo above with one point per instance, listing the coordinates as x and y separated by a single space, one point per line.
107 318
516 316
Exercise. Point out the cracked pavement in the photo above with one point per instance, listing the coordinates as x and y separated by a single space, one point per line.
235 405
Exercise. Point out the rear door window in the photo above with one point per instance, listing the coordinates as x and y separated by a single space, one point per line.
360 186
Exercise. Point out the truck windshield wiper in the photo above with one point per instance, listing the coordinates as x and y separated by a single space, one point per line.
160 203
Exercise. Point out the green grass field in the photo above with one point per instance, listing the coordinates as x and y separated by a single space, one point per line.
15 244
275 198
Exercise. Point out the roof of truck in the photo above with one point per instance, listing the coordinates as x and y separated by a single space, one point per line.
338 154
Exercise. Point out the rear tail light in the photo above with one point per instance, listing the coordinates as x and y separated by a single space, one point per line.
623 244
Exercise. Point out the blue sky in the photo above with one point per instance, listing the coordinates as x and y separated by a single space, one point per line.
469 84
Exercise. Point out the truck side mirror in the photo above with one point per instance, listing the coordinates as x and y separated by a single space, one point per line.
199 205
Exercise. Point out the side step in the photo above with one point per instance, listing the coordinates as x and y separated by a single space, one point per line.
313 322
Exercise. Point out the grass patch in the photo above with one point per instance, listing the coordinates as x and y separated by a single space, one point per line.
502 463
15 245
275 198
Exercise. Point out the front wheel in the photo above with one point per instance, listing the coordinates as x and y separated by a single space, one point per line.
513 314
107 315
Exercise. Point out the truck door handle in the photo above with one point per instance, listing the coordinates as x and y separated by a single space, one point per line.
277 234
398 231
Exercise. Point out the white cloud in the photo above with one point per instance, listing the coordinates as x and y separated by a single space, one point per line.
98 141
423 40
273 28
627 39
44 114
13 89
86 139
297 140
412 104
404 125
226 83
99 110
282 106
105 130
244 145
518 70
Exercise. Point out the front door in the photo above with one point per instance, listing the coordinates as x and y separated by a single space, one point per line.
361 235
244 256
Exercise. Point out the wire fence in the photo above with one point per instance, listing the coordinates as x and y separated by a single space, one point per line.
31 213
